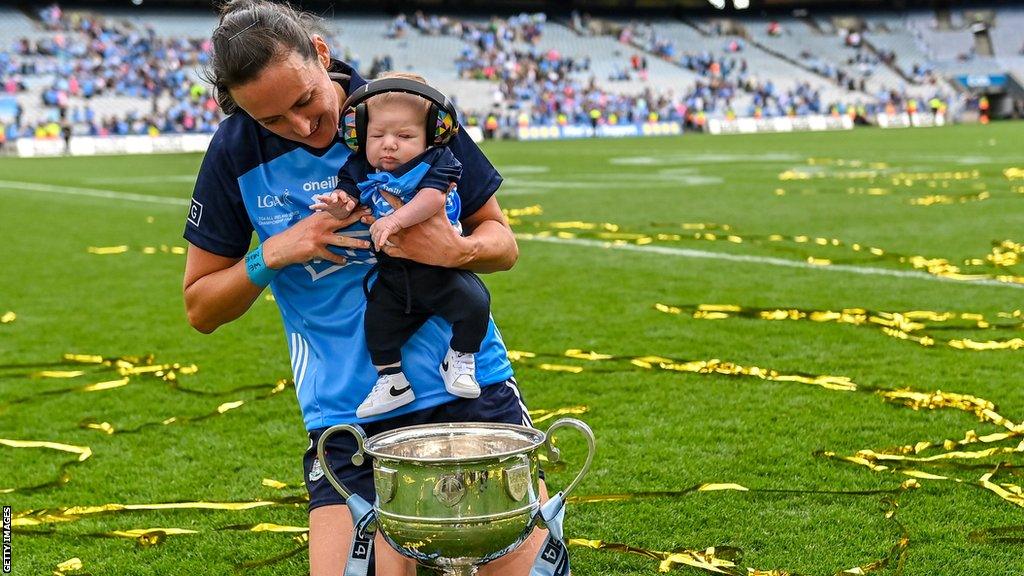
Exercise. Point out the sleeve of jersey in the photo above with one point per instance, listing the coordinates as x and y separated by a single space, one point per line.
217 221
350 175
479 178
444 170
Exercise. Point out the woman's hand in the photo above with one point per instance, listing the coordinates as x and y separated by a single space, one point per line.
433 241
309 239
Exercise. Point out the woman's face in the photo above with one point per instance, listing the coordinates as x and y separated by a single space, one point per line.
294 98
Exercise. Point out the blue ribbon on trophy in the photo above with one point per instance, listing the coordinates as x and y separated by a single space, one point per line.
361 552
553 558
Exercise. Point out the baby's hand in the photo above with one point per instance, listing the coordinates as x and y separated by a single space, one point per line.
337 203
382 228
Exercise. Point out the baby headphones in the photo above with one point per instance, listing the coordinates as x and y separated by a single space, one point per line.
442 119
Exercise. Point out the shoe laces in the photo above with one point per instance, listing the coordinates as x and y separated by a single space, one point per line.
463 363
382 383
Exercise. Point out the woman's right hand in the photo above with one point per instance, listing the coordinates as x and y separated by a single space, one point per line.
309 239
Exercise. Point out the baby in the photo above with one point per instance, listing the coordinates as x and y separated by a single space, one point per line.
398 159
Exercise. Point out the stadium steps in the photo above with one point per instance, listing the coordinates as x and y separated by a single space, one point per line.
812 24
696 28
760 41
1007 33
869 45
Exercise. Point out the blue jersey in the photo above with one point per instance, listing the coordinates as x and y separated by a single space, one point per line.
252 180
435 168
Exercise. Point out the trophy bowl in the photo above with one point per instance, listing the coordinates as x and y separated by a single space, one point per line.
453 496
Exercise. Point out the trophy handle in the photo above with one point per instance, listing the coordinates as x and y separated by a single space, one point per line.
555 455
357 458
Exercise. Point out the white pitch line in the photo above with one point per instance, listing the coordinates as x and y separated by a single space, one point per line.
92 192
681 252
690 253
189 178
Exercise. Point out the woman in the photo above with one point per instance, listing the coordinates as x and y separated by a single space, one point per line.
278 148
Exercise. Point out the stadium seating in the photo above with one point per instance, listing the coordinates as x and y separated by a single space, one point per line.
720 67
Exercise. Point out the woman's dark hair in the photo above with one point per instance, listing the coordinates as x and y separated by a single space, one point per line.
251 35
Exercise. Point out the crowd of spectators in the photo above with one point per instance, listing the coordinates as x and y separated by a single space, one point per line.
88 57
524 28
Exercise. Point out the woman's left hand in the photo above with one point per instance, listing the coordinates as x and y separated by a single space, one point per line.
433 241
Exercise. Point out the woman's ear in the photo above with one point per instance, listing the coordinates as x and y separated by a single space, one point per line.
323 51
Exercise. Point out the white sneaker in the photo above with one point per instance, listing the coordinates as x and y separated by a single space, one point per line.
459 373
391 391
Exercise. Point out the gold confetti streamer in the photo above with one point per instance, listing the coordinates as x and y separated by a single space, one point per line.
105 250
147 250
517 355
983 409
63 476
73 513
709 560
935 266
72 565
712 366
534 210
268 527
581 355
716 487
99 386
539 415
84 452
1009 492
84 358
561 368
945 199
222 408
60 373
147 536
721 486
908 326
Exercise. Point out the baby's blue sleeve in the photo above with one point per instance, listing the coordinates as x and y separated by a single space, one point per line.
350 174
444 170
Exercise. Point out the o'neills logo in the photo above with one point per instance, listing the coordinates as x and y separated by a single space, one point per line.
318 185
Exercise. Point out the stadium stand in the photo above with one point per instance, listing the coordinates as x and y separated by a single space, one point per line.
134 71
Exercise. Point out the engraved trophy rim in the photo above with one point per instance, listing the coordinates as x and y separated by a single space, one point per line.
377 445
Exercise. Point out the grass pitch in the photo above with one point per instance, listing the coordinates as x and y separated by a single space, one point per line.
935 193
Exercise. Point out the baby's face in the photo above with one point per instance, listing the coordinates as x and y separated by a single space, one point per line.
396 133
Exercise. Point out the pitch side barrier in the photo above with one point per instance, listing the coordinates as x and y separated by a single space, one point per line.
93 145
167 143
905 120
602 131
781 124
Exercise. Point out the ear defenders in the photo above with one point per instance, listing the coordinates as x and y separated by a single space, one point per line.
442 119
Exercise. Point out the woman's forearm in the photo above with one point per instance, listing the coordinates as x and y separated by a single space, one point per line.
220 297
491 247
218 289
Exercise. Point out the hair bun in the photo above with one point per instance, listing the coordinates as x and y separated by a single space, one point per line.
235 6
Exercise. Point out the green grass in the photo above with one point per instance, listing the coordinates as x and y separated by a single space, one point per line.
656 430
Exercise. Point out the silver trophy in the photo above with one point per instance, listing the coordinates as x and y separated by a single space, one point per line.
454 496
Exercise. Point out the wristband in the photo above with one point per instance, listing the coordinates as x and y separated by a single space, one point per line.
256 268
